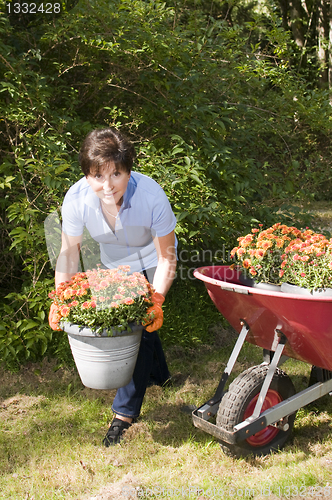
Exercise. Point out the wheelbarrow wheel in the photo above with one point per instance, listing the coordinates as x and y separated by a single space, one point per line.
239 403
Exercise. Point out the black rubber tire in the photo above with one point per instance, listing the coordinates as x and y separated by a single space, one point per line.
235 402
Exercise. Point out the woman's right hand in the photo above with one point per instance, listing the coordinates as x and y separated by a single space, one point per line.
54 317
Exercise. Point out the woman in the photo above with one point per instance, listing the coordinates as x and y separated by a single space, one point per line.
130 217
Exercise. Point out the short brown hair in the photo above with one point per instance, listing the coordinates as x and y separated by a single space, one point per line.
102 146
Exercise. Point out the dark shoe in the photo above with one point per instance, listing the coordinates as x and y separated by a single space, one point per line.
115 432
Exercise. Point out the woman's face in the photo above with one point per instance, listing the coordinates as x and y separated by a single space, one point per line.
109 184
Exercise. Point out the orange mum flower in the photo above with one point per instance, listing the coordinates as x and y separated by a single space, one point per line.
246 263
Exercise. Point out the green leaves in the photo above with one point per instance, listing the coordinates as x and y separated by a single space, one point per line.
24 332
217 112
5 182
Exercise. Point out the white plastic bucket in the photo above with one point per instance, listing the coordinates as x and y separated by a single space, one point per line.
104 362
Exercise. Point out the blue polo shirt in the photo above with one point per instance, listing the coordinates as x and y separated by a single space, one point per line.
145 213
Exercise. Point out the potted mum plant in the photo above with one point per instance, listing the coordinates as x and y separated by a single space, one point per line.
103 312
306 267
259 254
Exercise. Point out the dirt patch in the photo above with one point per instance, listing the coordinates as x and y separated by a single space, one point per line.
19 405
139 429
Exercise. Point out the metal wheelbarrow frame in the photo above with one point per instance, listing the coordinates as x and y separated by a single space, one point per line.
284 325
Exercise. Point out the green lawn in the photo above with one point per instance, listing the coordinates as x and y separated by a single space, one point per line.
52 428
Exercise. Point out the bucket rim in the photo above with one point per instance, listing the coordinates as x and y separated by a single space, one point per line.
85 331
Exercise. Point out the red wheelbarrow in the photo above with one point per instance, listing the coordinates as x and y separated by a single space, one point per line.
257 412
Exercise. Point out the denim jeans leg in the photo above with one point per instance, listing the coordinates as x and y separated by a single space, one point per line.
129 399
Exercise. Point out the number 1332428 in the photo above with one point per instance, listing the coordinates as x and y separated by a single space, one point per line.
33 8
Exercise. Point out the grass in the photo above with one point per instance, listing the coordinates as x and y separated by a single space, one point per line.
322 215
52 428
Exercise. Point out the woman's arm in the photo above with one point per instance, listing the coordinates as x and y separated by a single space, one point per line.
165 272
67 263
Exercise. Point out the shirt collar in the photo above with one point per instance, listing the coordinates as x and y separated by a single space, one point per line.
93 201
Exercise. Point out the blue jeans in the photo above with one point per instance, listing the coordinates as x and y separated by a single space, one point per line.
151 367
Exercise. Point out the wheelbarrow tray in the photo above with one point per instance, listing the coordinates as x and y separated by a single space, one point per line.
306 321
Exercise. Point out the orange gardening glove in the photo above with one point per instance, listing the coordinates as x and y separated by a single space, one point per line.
54 317
157 298
155 313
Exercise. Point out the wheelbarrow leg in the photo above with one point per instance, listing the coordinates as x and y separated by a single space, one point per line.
268 355
211 407
269 376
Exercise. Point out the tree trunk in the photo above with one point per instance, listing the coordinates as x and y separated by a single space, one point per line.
330 48
323 18
297 14
284 13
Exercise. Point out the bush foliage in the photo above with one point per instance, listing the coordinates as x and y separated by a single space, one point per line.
218 115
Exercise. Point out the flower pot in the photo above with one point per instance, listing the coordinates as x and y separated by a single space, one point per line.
104 362
246 280
295 289
272 287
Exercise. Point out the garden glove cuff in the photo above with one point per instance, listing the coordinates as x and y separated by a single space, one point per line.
157 298
53 317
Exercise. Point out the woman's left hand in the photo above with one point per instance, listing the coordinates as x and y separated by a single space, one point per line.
155 312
